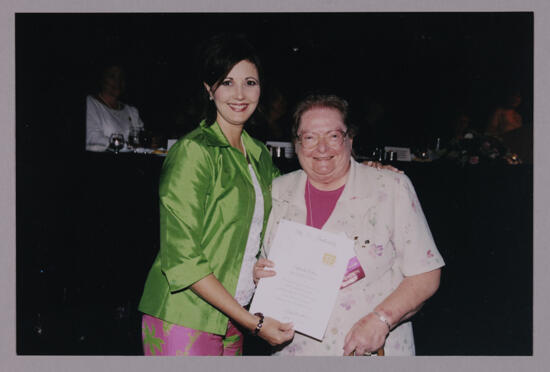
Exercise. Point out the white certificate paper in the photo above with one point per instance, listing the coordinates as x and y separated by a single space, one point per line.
310 265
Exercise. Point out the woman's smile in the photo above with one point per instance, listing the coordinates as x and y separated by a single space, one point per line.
238 107
326 165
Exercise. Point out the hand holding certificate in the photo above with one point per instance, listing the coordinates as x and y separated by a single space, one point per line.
310 266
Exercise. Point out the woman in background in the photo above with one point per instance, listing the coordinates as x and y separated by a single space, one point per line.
506 118
106 114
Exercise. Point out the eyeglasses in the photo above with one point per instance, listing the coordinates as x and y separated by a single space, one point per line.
334 138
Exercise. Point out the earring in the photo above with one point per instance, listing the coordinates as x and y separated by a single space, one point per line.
210 98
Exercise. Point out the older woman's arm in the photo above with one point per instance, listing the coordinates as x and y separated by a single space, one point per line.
378 165
369 333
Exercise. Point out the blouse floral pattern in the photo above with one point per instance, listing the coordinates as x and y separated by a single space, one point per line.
380 211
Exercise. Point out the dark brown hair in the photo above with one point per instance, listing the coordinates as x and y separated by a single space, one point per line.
218 56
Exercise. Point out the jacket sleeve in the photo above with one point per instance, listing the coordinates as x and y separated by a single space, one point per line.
275 172
416 249
183 191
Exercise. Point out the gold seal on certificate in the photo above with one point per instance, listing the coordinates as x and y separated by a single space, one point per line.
310 265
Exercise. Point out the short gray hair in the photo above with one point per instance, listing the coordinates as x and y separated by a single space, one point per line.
317 101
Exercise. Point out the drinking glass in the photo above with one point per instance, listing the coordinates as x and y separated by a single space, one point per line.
134 138
116 142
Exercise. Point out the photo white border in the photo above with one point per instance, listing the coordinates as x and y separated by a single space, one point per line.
10 361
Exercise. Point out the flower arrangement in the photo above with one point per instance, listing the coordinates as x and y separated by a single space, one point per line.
474 147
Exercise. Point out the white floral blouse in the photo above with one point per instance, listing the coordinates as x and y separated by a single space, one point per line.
380 211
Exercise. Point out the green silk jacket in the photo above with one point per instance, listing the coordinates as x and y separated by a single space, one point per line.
206 202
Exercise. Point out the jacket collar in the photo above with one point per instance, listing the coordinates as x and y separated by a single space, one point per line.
215 137
358 187
354 189
358 190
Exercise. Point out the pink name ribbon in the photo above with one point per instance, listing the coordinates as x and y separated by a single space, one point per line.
354 272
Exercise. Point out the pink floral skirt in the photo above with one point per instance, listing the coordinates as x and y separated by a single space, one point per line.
163 338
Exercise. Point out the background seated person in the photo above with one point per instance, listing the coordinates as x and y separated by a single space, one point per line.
506 118
106 114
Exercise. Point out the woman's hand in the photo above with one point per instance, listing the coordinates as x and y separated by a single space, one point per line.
275 332
366 336
379 165
370 332
261 269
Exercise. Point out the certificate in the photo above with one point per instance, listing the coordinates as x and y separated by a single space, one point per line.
310 265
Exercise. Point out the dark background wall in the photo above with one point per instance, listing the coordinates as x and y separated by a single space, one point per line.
423 67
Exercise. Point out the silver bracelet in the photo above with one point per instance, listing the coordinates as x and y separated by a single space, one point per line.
383 319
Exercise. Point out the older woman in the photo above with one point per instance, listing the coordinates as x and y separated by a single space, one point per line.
378 209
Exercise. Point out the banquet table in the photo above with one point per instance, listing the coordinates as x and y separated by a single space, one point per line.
87 233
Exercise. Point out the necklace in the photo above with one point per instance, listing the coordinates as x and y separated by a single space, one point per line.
325 203
309 203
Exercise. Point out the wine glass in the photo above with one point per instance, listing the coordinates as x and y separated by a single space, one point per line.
116 142
134 138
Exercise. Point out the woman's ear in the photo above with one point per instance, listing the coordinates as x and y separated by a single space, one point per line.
208 90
